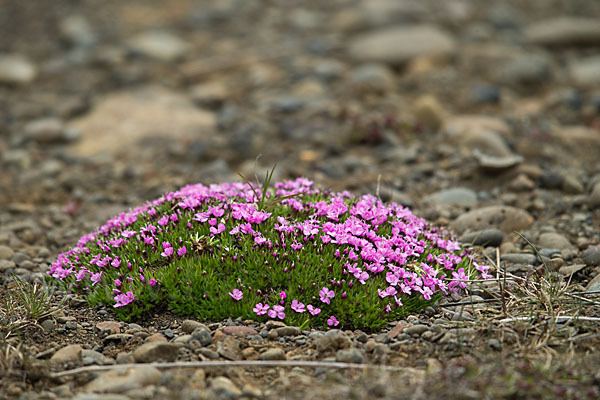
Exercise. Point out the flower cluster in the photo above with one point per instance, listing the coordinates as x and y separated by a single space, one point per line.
211 252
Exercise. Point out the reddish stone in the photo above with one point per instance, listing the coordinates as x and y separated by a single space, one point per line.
240 330
114 326
395 331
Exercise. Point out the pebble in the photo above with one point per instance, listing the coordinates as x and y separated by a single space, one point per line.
398 45
485 94
288 331
229 348
224 388
591 256
159 45
333 340
462 197
594 197
586 72
6 253
429 113
189 325
352 355
524 69
118 382
16 69
371 77
77 30
593 285
415 330
240 330
485 237
562 31
505 218
111 326
90 357
156 351
553 240
273 354
202 335
67 354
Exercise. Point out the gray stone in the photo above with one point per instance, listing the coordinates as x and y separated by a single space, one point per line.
564 31
159 45
117 381
288 331
594 285
398 45
333 340
224 388
352 355
70 353
417 329
273 354
48 325
156 351
90 357
202 335
552 240
505 218
462 197
591 256
16 69
94 396
519 258
486 237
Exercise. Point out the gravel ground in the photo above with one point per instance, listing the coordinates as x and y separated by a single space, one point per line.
482 118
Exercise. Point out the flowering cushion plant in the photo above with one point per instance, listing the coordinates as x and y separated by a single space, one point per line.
308 257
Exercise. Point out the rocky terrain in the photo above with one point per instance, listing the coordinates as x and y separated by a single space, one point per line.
482 117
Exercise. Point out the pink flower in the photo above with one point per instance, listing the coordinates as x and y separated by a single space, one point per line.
261 309
181 251
164 220
116 262
236 294
152 282
326 295
297 306
282 295
388 308
142 278
117 283
123 299
96 278
332 321
218 229
313 310
277 312
168 250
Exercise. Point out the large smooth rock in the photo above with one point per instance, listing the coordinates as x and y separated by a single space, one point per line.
333 340
124 120
462 197
398 45
70 353
156 351
564 31
553 240
505 218
117 381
